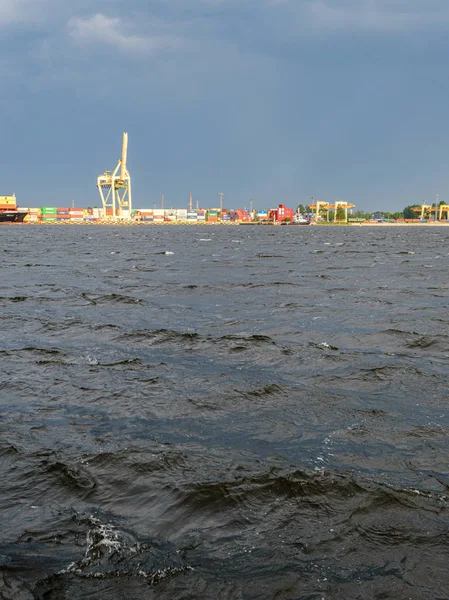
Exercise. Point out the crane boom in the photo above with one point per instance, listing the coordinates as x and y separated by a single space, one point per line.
124 156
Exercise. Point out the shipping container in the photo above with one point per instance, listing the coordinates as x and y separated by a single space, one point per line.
48 210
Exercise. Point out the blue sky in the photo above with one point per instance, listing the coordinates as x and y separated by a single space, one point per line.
278 100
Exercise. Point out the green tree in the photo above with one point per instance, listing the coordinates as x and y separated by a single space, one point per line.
340 214
409 213
360 214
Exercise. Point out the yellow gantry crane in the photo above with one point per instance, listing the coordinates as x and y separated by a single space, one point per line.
343 205
443 208
424 210
115 187
321 205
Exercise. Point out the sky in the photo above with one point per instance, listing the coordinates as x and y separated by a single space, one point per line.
275 100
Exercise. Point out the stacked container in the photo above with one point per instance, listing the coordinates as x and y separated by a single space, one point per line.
62 214
34 215
192 216
201 215
76 214
146 215
48 214
170 215
181 214
241 215
212 216
158 215
262 215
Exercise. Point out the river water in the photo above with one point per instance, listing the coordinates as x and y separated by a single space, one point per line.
224 412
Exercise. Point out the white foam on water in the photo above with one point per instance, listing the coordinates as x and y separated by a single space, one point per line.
91 360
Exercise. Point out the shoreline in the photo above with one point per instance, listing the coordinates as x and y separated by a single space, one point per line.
227 224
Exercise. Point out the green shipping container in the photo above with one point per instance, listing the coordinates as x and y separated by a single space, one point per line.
48 210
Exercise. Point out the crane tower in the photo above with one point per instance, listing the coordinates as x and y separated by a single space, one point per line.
115 187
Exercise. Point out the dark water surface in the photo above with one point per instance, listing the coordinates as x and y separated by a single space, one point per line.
224 412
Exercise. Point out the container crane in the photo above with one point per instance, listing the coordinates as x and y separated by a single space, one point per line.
317 206
320 205
115 187
443 208
425 210
343 205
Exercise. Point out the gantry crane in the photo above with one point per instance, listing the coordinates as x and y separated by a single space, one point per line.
320 204
443 208
115 187
341 204
424 210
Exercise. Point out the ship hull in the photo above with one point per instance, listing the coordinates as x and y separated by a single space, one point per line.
11 216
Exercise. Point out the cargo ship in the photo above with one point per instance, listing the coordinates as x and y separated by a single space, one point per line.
9 212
